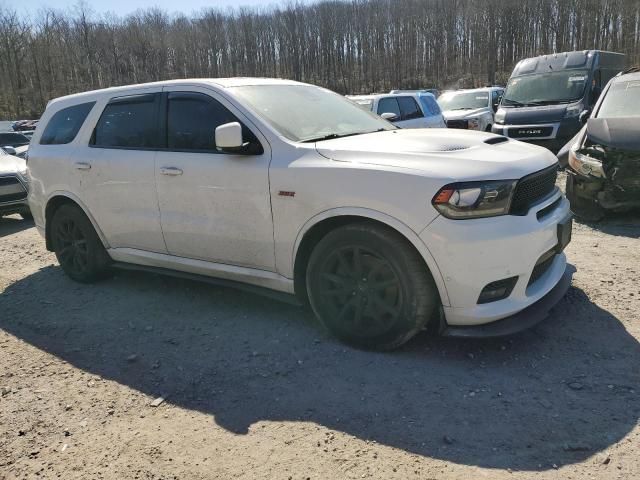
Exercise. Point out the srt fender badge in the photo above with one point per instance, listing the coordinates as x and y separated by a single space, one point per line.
284 193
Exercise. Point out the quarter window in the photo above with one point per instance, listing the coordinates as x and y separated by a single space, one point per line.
129 122
65 124
192 120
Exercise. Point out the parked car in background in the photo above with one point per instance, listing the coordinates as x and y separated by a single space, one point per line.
470 109
294 188
24 125
604 158
13 139
546 95
433 91
14 185
405 110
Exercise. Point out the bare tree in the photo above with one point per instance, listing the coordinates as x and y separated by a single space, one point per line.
351 46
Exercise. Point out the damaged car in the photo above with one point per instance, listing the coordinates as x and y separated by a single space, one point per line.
604 158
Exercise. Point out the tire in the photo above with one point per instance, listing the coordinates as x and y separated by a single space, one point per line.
77 245
488 129
584 208
369 287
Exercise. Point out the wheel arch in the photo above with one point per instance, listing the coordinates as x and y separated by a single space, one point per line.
55 201
320 225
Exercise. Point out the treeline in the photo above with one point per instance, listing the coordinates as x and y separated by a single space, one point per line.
353 46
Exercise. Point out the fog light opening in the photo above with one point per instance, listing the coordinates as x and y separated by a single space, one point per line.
498 290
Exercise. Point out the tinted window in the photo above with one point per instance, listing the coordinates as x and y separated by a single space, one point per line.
130 122
65 124
192 120
13 139
388 105
409 108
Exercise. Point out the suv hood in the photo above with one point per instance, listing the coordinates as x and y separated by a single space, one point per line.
534 115
11 164
456 155
462 114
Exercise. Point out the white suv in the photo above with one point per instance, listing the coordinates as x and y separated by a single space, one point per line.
291 187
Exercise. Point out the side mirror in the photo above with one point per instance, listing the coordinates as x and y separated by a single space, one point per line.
229 137
392 117
584 116
9 150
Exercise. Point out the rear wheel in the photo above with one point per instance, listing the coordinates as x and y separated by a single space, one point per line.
585 208
369 287
77 245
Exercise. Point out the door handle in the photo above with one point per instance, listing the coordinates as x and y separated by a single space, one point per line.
171 171
82 166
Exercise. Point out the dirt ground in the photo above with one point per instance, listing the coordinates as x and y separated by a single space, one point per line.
254 388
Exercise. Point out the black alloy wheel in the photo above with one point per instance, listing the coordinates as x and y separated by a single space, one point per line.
370 287
77 246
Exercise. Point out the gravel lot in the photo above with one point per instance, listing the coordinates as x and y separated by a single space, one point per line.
254 388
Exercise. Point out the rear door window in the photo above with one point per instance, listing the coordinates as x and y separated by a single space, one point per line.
389 105
129 122
409 108
192 119
65 124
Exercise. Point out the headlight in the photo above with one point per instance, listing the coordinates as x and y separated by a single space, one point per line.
473 123
584 163
500 115
573 111
461 201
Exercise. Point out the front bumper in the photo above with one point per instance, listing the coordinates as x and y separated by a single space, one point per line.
470 254
15 207
553 136
517 322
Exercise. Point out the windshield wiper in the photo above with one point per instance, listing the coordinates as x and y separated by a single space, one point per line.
515 103
462 108
331 136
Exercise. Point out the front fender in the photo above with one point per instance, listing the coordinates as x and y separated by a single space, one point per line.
400 227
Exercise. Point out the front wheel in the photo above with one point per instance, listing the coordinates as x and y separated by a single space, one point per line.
369 287
77 245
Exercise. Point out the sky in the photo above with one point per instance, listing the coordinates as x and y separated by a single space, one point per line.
123 7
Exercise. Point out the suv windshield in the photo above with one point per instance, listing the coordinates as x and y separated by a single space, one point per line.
463 100
622 100
304 113
547 88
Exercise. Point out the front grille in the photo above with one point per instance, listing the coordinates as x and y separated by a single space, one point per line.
533 188
543 265
457 124
11 189
530 132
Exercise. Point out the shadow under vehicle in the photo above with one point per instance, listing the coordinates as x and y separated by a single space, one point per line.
546 95
604 158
